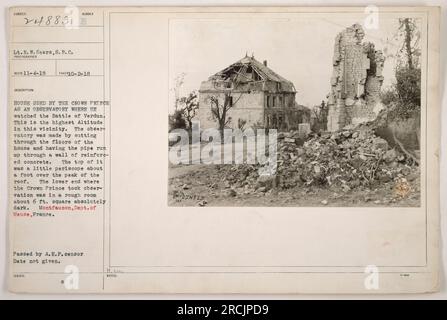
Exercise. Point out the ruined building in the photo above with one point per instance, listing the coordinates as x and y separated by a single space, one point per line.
356 80
254 95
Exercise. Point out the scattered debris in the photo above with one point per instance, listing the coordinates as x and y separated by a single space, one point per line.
402 187
231 193
341 160
202 203
332 165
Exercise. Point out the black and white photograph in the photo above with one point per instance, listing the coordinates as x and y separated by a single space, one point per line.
240 150
295 112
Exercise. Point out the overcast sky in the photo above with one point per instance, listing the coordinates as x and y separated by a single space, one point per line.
301 50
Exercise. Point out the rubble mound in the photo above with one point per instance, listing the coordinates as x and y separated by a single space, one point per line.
348 159
343 160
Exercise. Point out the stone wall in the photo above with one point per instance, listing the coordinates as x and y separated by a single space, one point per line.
257 107
253 108
356 80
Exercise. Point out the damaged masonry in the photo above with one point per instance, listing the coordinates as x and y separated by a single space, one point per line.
356 80
254 96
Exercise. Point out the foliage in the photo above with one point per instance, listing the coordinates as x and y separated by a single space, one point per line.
257 125
241 123
189 106
408 85
319 113
176 120
405 95
178 83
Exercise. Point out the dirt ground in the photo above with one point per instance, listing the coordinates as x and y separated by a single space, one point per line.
204 185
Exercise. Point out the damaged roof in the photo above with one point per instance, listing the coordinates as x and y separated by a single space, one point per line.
248 69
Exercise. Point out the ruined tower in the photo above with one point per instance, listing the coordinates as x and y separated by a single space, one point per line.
356 80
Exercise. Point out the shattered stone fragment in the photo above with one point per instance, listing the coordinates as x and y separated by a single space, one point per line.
390 155
202 203
231 193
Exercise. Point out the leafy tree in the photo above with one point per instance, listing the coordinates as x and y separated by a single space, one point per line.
176 120
404 97
410 36
189 107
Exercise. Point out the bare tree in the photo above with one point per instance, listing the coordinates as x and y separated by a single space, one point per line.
410 34
223 102
178 82
220 109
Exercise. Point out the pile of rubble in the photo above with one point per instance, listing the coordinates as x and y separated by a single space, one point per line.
343 160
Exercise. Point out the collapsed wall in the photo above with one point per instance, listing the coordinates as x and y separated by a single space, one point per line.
356 80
